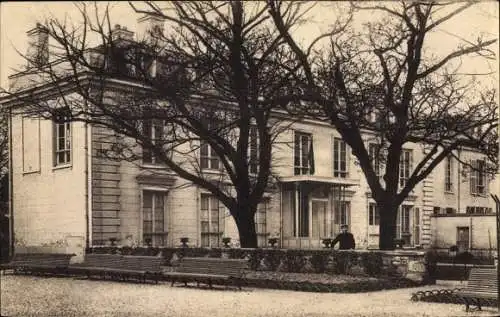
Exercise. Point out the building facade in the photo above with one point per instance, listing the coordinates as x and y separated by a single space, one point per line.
67 194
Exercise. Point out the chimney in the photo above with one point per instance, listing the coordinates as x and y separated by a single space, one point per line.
38 46
121 34
150 28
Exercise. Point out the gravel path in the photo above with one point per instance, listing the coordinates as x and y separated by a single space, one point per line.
38 296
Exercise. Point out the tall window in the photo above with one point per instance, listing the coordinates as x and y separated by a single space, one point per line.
448 178
212 221
374 152
478 184
261 223
303 154
339 158
408 224
155 131
342 214
301 219
62 138
253 148
153 225
416 226
208 158
405 166
373 214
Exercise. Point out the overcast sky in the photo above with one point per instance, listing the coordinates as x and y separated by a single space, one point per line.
18 17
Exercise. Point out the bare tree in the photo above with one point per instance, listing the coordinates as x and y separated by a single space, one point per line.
4 143
199 95
385 81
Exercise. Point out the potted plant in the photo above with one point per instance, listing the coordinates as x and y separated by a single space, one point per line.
399 243
272 241
226 241
184 241
327 242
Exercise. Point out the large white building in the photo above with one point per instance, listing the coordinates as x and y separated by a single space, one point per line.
66 195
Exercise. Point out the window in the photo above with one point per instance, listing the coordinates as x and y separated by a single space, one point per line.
408 225
416 226
301 226
476 210
62 137
212 221
405 166
208 158
478 177
374 153
463 238
342 215
448 178
253 148
261 223
339 158
153 223
155 131
374 215
303 154
437 210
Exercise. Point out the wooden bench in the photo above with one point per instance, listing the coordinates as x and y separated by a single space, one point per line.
209 271
481 285
36 263
121 267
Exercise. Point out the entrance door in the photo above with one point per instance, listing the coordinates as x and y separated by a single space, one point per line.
463 238
319 220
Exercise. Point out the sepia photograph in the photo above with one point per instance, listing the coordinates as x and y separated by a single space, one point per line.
249 158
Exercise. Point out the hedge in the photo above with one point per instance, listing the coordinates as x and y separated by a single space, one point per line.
282 260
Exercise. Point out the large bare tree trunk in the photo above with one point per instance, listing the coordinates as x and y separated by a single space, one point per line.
387 228
245 223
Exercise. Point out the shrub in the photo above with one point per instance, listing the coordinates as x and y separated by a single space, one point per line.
214 253
430 260
343 261
295 261
168 254
319 261
372 263
237 253
464 257
255 258
272 259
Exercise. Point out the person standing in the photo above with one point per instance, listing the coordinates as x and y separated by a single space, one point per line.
345 239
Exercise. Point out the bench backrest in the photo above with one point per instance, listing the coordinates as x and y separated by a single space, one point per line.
482 280
229 267
125 262
55 259
141 263
100 260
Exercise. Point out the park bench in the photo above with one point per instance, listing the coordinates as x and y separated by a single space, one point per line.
482 285
209 271
123 267
38 263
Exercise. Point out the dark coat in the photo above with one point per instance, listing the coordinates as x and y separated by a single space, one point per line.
346 241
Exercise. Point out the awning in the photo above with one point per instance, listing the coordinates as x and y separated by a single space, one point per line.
319 179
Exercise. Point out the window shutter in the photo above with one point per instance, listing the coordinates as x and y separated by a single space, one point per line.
311 156
147 156
473 178
398 223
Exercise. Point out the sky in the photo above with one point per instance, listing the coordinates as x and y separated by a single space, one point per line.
16 18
